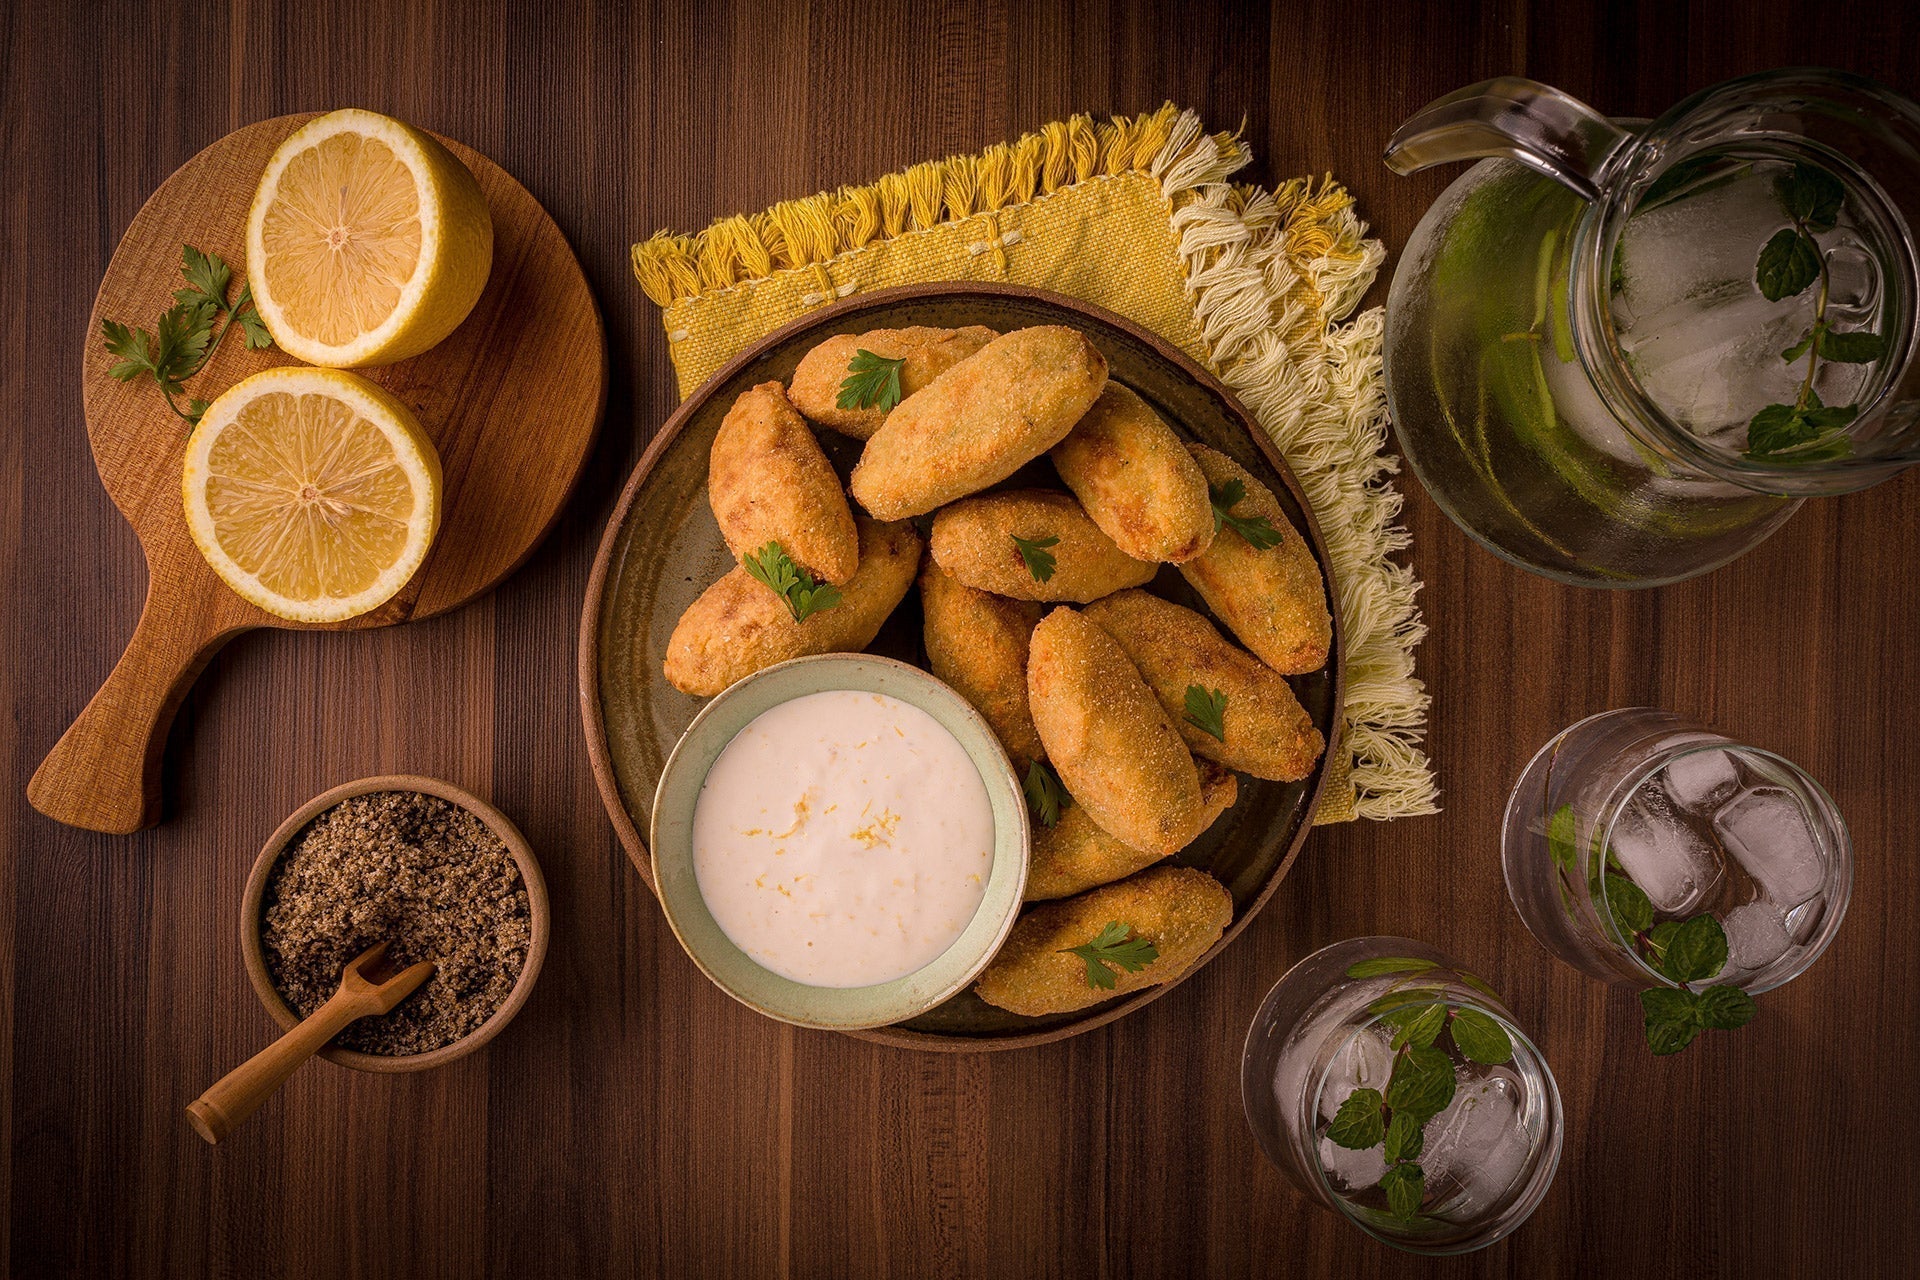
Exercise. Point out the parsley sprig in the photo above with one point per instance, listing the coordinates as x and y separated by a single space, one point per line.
1422 1082
1207 710
774 568
1807 430
1257 530
188 332
1034 552
872 382
1118 946
1046 795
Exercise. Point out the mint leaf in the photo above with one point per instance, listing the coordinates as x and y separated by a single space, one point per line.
1725 1008
1405 1138
1658 939
1799 430
1480 1039
872 382
1698 950
1417 1024
1811 195
1383 965
1801 348
1851 348
1406 1187
1358 1123
1207 711
1672 1019
1628 902
1034 551
1422 1083
1788 264
1562 842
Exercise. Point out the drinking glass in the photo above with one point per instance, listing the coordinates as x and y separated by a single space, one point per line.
1699 823
1355 1015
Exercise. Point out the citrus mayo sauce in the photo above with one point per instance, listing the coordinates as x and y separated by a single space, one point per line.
843 839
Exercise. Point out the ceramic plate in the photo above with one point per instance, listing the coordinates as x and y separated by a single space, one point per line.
662 549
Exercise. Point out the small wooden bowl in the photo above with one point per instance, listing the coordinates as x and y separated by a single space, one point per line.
539 918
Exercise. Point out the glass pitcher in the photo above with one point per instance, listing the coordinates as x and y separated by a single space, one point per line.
1619 354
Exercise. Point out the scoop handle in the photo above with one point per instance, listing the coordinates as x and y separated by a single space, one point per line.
104 773
240 1092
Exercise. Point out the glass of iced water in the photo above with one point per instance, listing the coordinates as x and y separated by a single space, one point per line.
1393 1087
1632 823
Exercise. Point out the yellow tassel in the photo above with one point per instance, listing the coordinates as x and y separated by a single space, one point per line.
923 194
995 176
961 186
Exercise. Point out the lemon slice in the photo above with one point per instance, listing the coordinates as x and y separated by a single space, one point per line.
312 492
368 241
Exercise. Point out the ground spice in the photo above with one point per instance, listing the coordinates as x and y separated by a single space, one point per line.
420 872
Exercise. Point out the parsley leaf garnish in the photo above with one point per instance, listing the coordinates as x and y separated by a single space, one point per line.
1116 945
1257 530
188 332
1046 797
1207 711
1034 552
773 568
872 382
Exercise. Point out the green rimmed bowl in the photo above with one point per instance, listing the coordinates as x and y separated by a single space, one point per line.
834 1008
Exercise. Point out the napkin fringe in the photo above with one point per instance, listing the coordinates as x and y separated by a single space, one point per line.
1271 275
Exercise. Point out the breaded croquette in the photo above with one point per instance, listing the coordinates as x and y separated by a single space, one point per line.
980 421
1181 911
739 626
1268 733
769 481
978 644
928 353
1108 738
1075 854
1136 479
1066 556
1274 600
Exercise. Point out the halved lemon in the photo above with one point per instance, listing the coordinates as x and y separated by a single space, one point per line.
368 241
312 492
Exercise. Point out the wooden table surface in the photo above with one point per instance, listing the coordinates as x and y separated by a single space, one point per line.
635 1120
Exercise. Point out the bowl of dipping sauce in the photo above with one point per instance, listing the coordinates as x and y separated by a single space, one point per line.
839 841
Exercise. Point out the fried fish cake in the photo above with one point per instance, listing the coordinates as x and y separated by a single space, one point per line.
977 643
1268 733
928 353
1075 854
1274 600
1108 737
738 626
1067 556
1136 479
769 481
980 421
1181 911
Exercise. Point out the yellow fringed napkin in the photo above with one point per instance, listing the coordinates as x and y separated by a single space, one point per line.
1135 215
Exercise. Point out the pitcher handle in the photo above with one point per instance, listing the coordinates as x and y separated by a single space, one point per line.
1521 119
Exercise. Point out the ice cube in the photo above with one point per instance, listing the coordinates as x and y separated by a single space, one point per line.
1662 853
1756 935
1478 1144
1804 920
1701 781
1766 830
1364 1062
1351 1171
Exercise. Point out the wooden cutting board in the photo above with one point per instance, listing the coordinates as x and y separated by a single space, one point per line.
511 399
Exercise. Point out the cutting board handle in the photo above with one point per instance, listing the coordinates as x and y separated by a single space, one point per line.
104 773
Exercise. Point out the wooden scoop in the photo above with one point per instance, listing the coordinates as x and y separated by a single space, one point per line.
512 400
366 989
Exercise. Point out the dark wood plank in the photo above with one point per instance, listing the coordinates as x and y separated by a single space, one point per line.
635 1121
